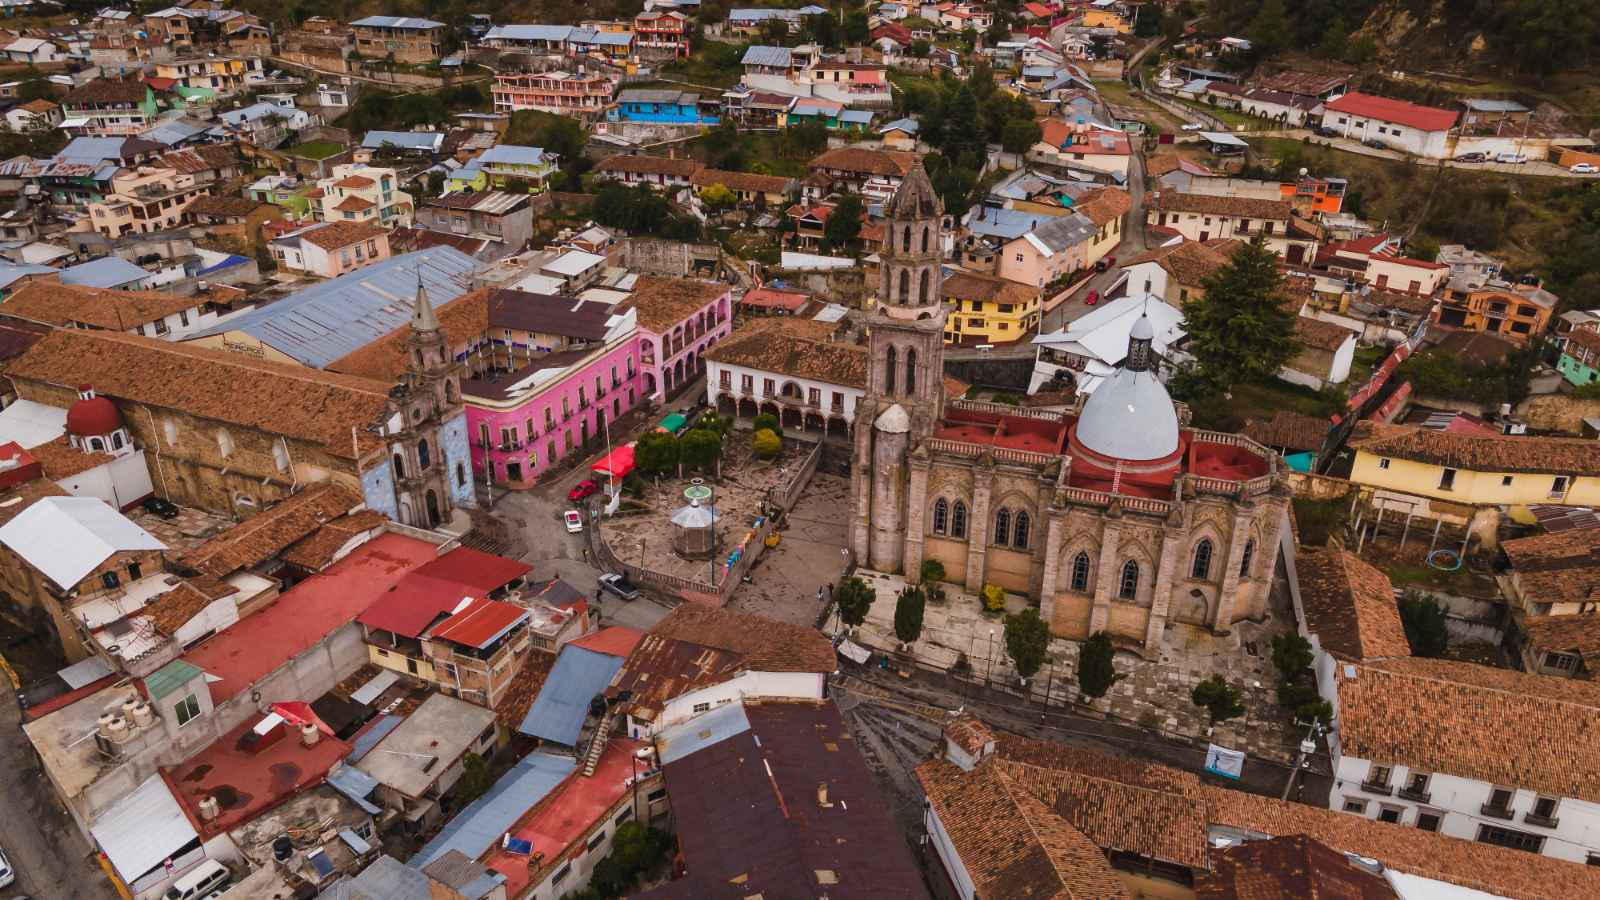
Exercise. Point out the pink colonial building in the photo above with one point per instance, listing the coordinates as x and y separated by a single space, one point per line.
679 318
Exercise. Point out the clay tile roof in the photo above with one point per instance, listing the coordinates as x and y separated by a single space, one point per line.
1188 262
1350 606
223 205
524 687
1561 567
60 460
464 319
1288 868
969 733
40 105
106 90
767 645
1404 301
1320 335
219 156
1495 725
649 165
172 610
1480 453
353 203
1103 205
973 286
892 163
354 181
794 347
316 551
342 234
1214 205
748 182
1295 431
664 303
1577 634
67 305
266 534
300 403
1012 845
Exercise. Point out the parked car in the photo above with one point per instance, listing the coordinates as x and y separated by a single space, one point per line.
1375 144
1472 158
158 506
1584 169
619 585
1326 131
574 520
7 874
1514 159
1192 126
582 491
1092 298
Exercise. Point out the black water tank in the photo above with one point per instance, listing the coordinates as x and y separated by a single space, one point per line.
282 848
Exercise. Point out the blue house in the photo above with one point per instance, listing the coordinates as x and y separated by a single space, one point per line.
661 107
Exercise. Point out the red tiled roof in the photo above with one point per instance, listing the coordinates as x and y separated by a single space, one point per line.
613 641
479 622
353 203
1423 118
483 572
412 604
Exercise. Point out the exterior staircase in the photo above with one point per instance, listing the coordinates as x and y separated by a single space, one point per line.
597 743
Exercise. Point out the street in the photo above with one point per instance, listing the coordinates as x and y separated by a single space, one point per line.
51 858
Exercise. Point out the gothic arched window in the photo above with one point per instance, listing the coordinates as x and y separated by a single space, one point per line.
958 520
905 240
911 370
1202 560
1245 560
1128 589
926 232
890 364
423 461
1002 527
1080 572
1019 531
399 466
923 290
941 515
905 286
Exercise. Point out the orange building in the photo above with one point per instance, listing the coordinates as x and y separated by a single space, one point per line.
1512 311
1315 195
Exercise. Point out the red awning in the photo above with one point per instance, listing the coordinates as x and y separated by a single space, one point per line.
617 464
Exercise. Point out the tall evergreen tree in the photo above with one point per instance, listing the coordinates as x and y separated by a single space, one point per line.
1239 328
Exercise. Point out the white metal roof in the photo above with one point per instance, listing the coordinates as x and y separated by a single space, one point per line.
142 829
573 263
30 423
66 538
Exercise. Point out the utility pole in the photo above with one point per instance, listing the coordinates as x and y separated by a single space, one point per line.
1308 746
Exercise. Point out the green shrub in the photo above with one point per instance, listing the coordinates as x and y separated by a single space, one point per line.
766 444
994 598
768 422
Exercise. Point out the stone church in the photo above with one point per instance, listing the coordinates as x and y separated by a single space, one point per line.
1115 516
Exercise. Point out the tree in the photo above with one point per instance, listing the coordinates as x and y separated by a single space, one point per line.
1291 655
1239 330
1027 639
700 448
774 32
435 183
919 48
856 29
1097 671
1334 40
1020 134
717 197
475 779
1269 31
963 139
853 597
656 453
844 223
908 608
932 570
994 598
1219 698
1424 622
765 444
768 422
1147 23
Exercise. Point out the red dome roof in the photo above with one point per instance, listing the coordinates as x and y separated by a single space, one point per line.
92 415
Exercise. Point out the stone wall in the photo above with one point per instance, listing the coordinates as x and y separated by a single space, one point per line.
1010 374
848 287
1557 412
669 258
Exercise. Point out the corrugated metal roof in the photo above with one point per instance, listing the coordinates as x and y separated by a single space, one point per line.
355 784
761 55
142 829
529 32
106 272
327 321
701 731
364 742
404 140
85 672
169 678
558 712
397 22
67 538
512 155
388 878
479 826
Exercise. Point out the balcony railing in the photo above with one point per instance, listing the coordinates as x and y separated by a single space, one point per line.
1533 818
1415 795
1496 811
1374 788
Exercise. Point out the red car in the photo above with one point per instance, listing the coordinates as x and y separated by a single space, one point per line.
582 491
1092 298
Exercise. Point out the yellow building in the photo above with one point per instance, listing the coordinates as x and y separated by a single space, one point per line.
1477 470
988 310
220 75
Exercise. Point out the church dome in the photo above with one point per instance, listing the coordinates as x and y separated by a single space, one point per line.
91 415
1130 416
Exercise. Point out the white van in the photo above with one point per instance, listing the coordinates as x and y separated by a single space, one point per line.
205 878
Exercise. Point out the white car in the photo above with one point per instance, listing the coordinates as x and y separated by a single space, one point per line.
8 875
574 520
1515 159
1192 126
1585 169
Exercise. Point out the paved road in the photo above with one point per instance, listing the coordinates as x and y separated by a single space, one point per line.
1133 244
51 858
1531 168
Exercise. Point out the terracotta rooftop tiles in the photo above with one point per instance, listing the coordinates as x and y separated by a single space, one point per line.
1480 453
661 669
1188 262
1575 634
1288 868
664 303
747 182
303 404
463 320
973 286
797 347
68 305
60 460
891 163
969 733
520 693
212 205
317 550
1320 335
266 534
174 609
767 645
1350 606
1471 721
649 165
1218 205
27 493
1103 205
1295 431
342 234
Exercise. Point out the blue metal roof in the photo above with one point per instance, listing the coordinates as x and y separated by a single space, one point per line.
397 22
232 259
563 703
355 784
253 112
856 116
172 131
404 140
511 155
364 743
1006 224
701 732
529 32
762 55
603 38
329 320
908 125
105 272
479 826
9 272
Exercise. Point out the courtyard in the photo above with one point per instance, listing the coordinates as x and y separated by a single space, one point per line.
1152 693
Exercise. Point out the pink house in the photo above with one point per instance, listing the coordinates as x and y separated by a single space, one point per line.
678 319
